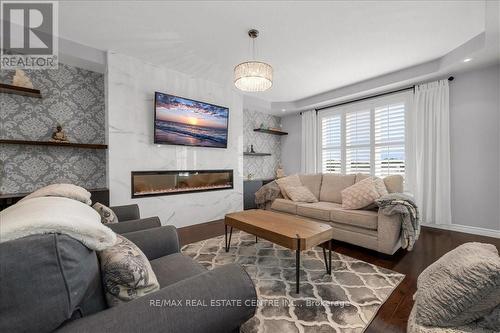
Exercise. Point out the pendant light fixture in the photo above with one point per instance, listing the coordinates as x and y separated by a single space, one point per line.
253 76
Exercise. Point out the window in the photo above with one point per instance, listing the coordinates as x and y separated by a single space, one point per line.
390 140
331 148
367 137
357 141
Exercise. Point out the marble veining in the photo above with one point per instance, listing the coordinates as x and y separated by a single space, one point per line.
131 87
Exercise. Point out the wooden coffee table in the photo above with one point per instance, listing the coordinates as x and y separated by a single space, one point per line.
286 230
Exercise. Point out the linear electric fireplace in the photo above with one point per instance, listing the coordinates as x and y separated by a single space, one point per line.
152 183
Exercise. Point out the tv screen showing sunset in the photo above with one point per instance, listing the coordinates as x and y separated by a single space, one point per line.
182 121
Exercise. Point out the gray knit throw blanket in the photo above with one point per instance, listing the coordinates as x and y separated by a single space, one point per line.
404 206
266 194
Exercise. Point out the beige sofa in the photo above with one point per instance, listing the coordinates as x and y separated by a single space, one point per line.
366 228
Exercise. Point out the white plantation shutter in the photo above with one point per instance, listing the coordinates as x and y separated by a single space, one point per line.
389 121
331 144
357 137
367 137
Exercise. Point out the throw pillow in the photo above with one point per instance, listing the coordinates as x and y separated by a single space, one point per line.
69 191
300 194
380 186
106 213
459 288
359 195
126 272
379 183
293 180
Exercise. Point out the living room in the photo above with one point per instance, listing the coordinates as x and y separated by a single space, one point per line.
250 166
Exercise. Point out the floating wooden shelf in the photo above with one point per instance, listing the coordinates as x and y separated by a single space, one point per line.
54 143
10 89
270 131
256 154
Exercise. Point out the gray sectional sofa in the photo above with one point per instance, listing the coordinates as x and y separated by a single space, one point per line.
52 282
367 227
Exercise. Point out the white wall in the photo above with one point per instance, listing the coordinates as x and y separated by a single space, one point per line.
475 147
131 85
290 144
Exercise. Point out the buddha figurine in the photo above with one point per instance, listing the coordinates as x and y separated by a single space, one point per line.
59 135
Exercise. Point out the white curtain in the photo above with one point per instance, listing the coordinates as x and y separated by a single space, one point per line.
309 142
428 173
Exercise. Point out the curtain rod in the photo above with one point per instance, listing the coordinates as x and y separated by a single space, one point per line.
451 78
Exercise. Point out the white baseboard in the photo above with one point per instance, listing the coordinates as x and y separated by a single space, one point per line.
465 228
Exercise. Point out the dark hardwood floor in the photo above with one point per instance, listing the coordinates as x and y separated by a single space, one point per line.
392 316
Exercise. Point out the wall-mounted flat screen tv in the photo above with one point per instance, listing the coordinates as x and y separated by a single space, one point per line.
182 121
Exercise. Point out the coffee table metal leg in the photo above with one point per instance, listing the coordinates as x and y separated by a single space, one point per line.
324 257
328 262
330 257
228 243
255 239
297 266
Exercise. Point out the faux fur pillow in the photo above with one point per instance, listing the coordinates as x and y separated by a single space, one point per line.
459 288
293 180
126 272
360 194
69 191
300 194
106 213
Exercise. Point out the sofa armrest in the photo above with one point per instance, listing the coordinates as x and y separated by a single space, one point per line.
160 311
389 233
156 242
126 212
135 225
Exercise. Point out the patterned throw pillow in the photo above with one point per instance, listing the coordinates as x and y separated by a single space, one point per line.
360 194
107 214
126 272
300 194
380 186
293 180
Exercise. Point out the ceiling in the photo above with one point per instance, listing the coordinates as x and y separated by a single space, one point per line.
314 46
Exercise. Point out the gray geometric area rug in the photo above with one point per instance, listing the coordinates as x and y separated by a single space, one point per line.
344 302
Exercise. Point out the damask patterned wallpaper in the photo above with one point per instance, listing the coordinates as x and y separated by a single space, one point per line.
72 97
261 167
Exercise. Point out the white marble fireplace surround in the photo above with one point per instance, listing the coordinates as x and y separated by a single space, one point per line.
131 84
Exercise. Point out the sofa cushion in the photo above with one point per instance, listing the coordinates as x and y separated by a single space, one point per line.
354 229
312 182
284 205
175 267
460 287
332 186
360 194
46 280
318 210
300 194
394 184
292 180
367 219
